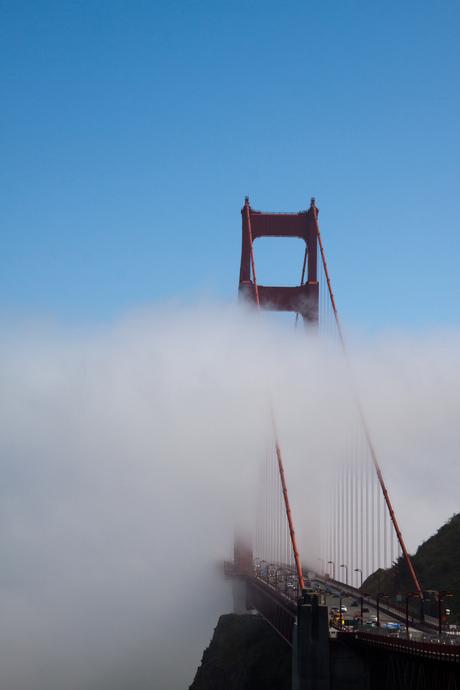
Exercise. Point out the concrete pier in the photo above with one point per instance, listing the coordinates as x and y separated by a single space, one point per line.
310 651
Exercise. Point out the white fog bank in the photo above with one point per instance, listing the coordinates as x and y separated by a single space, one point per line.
128 452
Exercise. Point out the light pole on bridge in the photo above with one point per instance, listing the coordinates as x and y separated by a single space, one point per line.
270 568
408 596
358 570
342 596
379 596
333 569
364 594
441 595
262 568
346 572
283 578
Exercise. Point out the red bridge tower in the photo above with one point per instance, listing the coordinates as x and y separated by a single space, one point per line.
303 298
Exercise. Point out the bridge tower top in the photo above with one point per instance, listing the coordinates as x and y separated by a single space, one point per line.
302 299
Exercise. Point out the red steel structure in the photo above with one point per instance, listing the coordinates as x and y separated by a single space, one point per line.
268 578
301 299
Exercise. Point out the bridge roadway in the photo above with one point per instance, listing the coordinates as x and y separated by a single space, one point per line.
361 658
352 603
278 604
340 595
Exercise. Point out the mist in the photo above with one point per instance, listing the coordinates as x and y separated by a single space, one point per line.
130 450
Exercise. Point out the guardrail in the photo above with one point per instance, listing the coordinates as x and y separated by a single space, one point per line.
429 648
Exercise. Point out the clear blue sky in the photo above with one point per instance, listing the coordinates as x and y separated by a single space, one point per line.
130 134
132 131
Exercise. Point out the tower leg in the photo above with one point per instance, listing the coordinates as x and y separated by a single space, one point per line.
310 650
239 595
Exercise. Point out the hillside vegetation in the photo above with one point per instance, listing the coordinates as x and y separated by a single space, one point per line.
436 564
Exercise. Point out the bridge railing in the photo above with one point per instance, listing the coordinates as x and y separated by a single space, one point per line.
444 650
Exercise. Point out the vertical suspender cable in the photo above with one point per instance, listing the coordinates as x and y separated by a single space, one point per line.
375 563
378 530
385 545
367 518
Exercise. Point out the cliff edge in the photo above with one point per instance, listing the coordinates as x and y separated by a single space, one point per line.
245 653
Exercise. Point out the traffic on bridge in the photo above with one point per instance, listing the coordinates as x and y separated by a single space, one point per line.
332 625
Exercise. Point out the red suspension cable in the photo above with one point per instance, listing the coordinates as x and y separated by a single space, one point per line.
366 430
288 509
248 216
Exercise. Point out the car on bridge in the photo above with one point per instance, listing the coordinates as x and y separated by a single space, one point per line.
392 628
291 582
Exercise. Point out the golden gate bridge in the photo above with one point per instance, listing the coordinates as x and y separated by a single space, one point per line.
363 534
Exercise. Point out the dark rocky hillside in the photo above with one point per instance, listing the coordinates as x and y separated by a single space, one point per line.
245 653
436 564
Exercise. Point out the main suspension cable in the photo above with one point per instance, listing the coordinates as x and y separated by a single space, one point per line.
363 420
